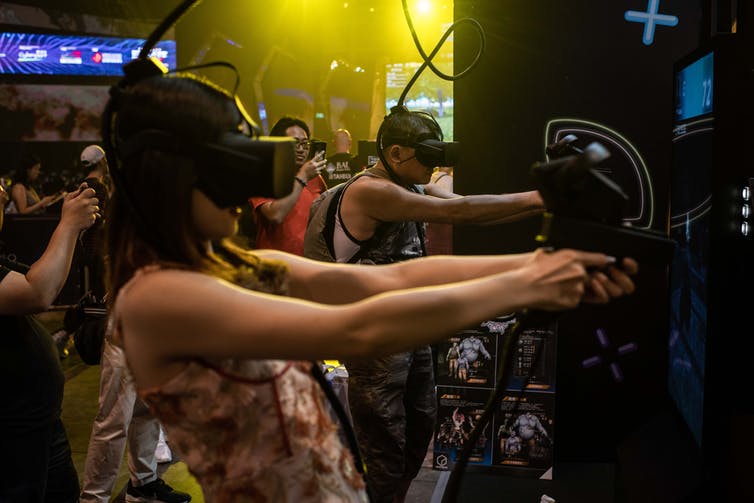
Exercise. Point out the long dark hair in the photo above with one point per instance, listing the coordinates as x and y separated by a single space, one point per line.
21 175
159 184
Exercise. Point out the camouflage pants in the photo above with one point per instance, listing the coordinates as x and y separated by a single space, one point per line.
393 406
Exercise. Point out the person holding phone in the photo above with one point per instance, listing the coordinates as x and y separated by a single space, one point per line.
24 198
281 223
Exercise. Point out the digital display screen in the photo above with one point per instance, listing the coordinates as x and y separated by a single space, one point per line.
690 223
693 95
47 54
428 94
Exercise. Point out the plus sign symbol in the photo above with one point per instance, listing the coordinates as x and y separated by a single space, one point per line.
651 19
609 357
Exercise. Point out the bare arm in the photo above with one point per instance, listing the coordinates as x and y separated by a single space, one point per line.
370 200
170 316
437 190
332 283
275 211
35 291
18 194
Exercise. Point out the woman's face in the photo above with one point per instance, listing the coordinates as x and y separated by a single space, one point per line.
33 172
212 223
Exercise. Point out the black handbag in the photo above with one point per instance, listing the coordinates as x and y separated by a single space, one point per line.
88 322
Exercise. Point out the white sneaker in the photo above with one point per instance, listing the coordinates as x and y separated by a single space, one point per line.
162 452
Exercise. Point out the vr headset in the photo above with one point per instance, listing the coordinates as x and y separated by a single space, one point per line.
432 152
230 169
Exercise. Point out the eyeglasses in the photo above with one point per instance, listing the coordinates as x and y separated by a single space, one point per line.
303 144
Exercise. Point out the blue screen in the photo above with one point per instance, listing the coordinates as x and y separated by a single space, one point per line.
690 223
46 54
693 95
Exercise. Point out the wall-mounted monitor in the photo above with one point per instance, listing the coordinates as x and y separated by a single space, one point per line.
693 93
74 55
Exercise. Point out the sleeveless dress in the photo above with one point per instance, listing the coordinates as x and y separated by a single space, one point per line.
254 431
32 198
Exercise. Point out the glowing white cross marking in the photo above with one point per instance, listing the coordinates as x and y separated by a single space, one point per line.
650 18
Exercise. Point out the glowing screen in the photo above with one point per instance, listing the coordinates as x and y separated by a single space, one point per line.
47 54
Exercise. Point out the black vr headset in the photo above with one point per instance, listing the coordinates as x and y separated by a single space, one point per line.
230 170
430 148
432 152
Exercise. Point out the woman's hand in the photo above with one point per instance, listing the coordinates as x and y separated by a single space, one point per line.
563 279
47 201
80 208
611 281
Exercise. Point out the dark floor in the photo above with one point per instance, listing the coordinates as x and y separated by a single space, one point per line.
80 407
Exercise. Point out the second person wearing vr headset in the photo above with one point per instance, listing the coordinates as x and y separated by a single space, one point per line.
221 342
380 220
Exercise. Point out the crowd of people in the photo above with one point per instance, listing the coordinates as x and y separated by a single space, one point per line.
220 346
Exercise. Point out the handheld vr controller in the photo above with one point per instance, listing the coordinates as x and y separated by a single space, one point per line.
585 208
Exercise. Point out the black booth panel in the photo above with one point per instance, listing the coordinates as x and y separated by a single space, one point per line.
582 67
553 61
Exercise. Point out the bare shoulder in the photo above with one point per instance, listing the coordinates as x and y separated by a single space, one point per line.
373 190
153 291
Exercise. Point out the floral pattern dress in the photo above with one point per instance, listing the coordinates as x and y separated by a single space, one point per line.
254 430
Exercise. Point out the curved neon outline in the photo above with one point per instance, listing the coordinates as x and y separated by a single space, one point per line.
705 206
636 155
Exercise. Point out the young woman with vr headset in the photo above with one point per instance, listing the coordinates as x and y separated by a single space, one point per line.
220 341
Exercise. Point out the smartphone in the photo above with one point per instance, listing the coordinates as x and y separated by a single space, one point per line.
317 147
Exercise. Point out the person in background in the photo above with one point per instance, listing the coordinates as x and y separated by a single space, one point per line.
122 417
341 165
222 342
94 163
24 197
36 462
380 220
443 177
92 269
280 223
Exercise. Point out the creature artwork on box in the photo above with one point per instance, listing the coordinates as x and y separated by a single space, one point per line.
458 411
467 359
524 426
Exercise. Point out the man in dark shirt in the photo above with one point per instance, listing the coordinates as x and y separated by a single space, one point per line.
341 165
94 163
